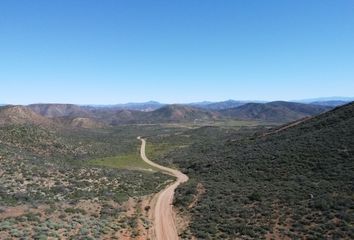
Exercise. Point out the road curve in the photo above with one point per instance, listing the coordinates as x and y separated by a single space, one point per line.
164 222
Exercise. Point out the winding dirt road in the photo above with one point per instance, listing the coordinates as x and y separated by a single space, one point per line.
164 221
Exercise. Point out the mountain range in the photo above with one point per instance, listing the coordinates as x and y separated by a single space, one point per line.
220 105
279 111
101 116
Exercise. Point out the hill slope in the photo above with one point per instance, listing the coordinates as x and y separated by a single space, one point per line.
179 113
21 115
275 111
292 184
166 114
59 110
111 116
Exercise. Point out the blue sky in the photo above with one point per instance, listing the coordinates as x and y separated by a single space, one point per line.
107 52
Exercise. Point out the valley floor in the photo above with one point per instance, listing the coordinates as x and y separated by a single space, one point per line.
244 182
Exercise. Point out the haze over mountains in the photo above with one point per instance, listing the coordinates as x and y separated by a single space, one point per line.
325 99
154 112
153 105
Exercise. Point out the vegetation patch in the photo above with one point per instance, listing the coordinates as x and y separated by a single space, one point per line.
129 161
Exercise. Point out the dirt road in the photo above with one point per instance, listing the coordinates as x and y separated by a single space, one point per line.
164 221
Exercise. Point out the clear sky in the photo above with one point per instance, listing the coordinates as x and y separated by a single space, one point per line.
106 52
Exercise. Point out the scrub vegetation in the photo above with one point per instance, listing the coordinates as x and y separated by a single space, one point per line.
281 183
247 180
51 189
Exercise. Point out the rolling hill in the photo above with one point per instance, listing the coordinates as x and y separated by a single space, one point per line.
279 111
114 117
76 116
167 114
48 115
21 115
178 113
59 110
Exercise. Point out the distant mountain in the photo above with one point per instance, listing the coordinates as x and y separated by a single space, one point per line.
224 105
333 103
199 104
59 110
325 99
179 113
274 111
21 115
221 105
145 106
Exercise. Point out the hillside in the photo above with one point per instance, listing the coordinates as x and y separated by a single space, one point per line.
166 114
291 184
111 116
274 111
59 110
21 115
178 113
71 115
80 122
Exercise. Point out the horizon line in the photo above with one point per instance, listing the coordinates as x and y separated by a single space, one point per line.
331 98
